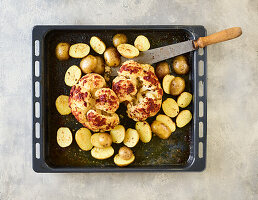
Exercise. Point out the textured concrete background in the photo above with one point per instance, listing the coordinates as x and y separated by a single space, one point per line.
232 162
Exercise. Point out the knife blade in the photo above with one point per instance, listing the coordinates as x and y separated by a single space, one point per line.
159 54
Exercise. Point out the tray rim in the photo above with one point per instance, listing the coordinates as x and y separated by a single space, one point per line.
197 164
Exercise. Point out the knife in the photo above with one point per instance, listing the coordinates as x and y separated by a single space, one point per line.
162 53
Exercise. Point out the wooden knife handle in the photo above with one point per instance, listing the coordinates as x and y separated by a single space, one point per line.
221 36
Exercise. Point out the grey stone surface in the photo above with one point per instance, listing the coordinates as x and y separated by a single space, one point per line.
232 160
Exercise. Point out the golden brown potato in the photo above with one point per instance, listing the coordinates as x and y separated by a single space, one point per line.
183 118
62 51
177 86
142 43
100 67
97 45
167 121
160 129
112 57
102 153
121 162
125 153
105 140
184 99
144 130
180 65
162 69
72 75
166 83
170 107
131 137
88 64
79 50
62 105
82 138
64 137
128 50
118 134
119 39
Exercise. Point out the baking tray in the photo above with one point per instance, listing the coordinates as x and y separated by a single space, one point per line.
185 150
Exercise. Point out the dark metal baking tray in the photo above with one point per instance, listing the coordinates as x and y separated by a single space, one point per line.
185 150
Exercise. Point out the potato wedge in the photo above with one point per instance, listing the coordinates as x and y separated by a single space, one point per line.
64 137
131 137
128 50
83 139
62 105
72 75
167 121
79 50
142 43
121 162
170 107
144 130
97 45
184 99
166 83
118 134
160 129
183 118
102 153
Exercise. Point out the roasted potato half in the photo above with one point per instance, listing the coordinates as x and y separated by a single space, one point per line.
160 129
64 137
162 69
83 139
183 118
131 137
72 75
62 105
166 83
180 65
184 99
177 86
79 50
118 134
62 51
102 153
122 162
97 45
88 64
144 130
167 121
112 57
142 43
170 107
100 67
119 39
128 50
